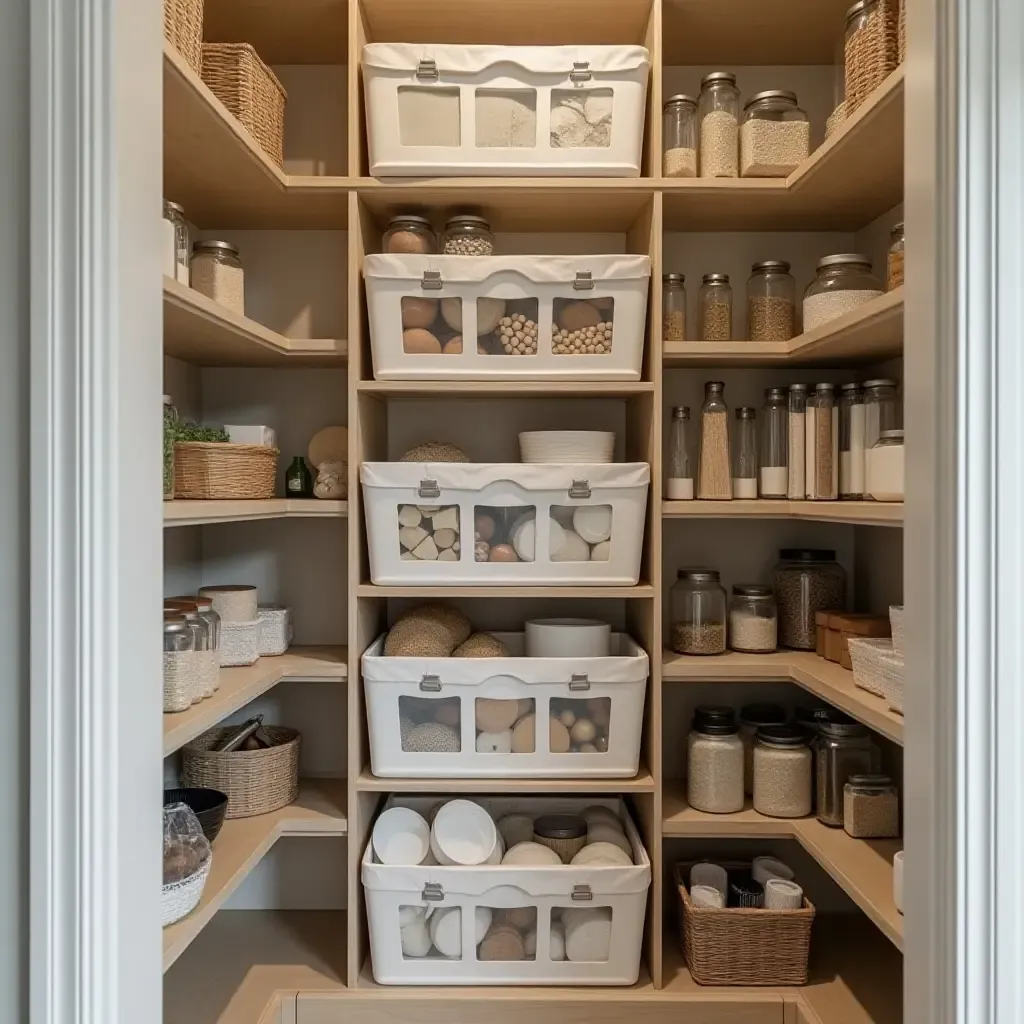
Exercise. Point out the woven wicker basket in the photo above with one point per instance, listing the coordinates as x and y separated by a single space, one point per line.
206 470
250 90
901 45
870 54
183 27
743 947
835 119
255 781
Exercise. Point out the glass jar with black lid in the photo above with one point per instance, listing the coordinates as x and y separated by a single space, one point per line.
714 761
782 772
698 608
843 748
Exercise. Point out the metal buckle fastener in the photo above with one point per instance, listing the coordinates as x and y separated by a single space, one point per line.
429 489
584 281
431 281
579 682
580 71
433 892
580 489
430 684
581 893
427 69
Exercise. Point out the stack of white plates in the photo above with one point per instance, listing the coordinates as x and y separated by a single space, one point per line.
585 447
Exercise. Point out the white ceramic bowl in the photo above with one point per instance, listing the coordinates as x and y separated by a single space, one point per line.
585 447
568 638
401 837
463 833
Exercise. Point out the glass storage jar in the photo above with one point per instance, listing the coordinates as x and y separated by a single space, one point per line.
216 272
885 467
782 772
752 717
204 606
771 302
881 409
719 125
867 57
806 581
204 671
409 233
842 283
467 235
673 306
714 761
851 442
170 433
797 476
775 137
715 308
176 246
822 428
179 681
871 807
698 606
744 453
714 479
894 264
679 472
753 619
679 128
843 748
774 443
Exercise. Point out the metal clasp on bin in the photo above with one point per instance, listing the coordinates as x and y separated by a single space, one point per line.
582 893
580 489
430 684
427 69
579 682
429 489
584 281
433 892
580 72
431 281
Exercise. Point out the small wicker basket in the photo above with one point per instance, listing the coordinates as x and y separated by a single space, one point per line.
214 469
245 85
183 28
255 781
901 44
743 947
178 899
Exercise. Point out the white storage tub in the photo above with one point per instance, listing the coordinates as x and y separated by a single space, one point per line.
545 524
538 110
418 708
534 317
540 894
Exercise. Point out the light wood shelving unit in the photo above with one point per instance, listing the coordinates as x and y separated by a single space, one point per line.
312 967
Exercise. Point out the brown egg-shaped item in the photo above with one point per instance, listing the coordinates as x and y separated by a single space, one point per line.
558 736
419 341
417 312
578 316
453 346
503 553
408 241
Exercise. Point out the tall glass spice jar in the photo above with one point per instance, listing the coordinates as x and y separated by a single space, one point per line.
782 772
410 233
806 581
698 609
894 264
179 681
753 619
822 430
170 434
719 125
679 472
851 442
881 410
843 748
679 128
467 235
774 443
752 717
673 303
217 273
771 301
797 464
714 480
176 242
775 137
715 308
744 454
714 762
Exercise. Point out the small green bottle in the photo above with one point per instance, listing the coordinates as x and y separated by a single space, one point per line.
298 481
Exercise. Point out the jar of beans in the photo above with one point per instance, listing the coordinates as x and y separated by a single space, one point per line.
467 235
806 581
782 772
714 761
409 233
771 302
679 121
871 807
719 125
775 138
752 718
715 308
698 604
753 619
673 315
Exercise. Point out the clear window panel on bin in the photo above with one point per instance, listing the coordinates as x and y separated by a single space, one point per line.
581 533
505 533
586 720
430 725
428 116
585 934
434 933
431 326
429 533
505 726
506 118
581 118
506 933
582 327
506 328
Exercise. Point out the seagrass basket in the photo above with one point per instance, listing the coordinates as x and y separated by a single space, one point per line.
183 28
205 470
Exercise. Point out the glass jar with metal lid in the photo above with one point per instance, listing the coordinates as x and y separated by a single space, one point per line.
894 264
714 761
216 272
673 302
744 453
679 466
842 283
806 581
782 772
205 668
774 443
410 233
204 606
822 428
467 235
719 112
871 807
771 302
886 467
751 718
851 441
753 619
715 308
869 51
698 606
679 128
775 137
177 248
881 409
179 675
843 748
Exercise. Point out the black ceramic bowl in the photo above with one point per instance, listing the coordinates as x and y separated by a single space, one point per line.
210 806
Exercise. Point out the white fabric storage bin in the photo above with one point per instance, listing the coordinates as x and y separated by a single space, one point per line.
535 898
534 110
412 702
530 316
275 629
425 523
239 643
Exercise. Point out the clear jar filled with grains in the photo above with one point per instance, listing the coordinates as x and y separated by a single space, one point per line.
714 478
467 235
204 668
698 607
871 807
176 242
715 308
410 233
679 128
867 58
774 443
679 471
170 433
822 429
719 112
204 606
744 453
179 678
714 761
842 283
844 748
673 307
775 137
881 409
783 774
753 619
771 302
894 264
797 464
217 273
752 717
806 581
851 442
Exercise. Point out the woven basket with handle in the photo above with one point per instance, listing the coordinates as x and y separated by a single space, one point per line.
205 470
183 27
245 85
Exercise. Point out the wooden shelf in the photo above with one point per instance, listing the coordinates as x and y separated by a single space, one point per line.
299 32
642 782
871 333
642 590
861 867
239 686
201 331
877 513
242 844
200 513
823 678
506 388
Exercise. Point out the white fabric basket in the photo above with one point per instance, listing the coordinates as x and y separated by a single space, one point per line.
178 899
450 496
539 890
606 692
275 629
538 288
471 110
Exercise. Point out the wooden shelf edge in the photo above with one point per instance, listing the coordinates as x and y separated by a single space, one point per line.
518 388
642 782
868 513
641 590
180 512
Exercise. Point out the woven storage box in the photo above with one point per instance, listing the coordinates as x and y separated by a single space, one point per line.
183 28
896 621
178 899
240 642
255 781
275 629
743 947
245 85
866 656
207 470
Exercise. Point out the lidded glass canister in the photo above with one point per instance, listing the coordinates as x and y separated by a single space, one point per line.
679 131
851 442
842 283
715 308
822 429
843 748
467 235
411 234
673 306
881 409
719 112
698 606
744 453
771 302
775 137
174 214
774 443
679 471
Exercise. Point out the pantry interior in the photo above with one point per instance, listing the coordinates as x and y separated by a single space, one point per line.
280 933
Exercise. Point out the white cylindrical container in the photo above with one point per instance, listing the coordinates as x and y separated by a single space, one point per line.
567 638
781 894
232 602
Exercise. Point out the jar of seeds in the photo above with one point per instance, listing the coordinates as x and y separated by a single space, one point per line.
715 308
719 125
871 807
806 581
467 235
782 772
714 761
673 315
216 272
752 718
842 283
775 138
771 302
679 128
753 619
698 605
844 748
